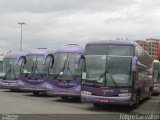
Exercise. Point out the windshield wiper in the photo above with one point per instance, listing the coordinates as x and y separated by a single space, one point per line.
101 76
112 79
34 71
66 68
60 70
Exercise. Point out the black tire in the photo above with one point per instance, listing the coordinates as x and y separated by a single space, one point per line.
12 90
64 98
149 94
96 105
155 94
137 101
36 93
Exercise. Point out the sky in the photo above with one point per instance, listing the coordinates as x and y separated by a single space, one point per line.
55 23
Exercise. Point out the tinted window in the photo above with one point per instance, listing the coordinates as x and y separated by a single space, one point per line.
143 57
96 49
122 50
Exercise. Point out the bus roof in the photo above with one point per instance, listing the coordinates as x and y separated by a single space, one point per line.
4 53
41 51
123 42
15 55
71 48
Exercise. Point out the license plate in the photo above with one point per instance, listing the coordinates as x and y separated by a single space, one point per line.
104 100
63 92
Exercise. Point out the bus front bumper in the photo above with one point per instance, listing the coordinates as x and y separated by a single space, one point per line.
64 92
107 100
32 88
9 84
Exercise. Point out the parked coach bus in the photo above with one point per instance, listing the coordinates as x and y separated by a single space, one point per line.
34 74
1 65
116 72
156 76
13 64
65 77
2 54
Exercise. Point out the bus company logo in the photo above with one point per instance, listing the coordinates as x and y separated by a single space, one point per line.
108 90
46 85
105 91
9 117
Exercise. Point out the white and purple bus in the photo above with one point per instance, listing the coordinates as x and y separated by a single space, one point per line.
116 72
65 77
35 72
12 67
156 77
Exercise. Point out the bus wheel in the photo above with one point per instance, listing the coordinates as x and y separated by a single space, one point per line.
149 94
96 105
64 98
137 101
36 93
12 90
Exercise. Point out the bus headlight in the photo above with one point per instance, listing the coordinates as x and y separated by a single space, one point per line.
47 86
85 93
20 83
78 88
124 94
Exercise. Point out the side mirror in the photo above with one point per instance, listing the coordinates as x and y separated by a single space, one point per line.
82 57
52 62
45 60
19 59
134 64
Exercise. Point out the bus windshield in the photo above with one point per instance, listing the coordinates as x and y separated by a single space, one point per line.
108 71
118 71
64 66
95 69
10 70
35 66
110 65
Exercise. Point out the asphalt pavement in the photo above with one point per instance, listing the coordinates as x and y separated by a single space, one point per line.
27 105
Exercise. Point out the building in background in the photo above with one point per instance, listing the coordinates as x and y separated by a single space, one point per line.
152 46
